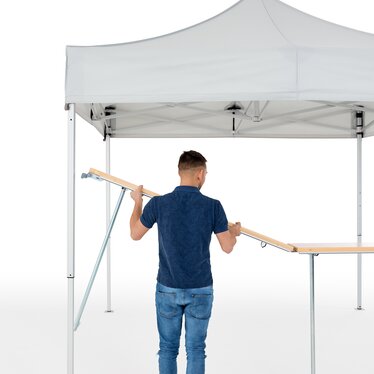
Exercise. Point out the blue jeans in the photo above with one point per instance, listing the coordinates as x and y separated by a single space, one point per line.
171 304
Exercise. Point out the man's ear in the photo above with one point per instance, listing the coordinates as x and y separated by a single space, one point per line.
201 173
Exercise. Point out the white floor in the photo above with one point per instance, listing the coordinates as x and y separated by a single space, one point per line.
250 332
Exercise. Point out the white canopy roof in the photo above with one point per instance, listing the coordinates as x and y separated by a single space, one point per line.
279 72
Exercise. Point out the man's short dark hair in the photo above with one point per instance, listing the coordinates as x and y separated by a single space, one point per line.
191 159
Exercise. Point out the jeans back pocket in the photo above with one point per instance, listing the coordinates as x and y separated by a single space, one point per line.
166 304
201 307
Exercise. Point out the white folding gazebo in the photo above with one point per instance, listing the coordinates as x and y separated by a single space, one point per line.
259 69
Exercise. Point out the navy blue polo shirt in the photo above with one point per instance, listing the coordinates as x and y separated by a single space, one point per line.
186 220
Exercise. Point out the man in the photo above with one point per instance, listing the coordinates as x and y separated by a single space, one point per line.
186 220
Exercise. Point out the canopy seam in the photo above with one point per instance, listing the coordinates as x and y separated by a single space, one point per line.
288 41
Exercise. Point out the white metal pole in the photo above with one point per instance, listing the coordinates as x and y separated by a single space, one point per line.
71 237
312 316
108 215
359 132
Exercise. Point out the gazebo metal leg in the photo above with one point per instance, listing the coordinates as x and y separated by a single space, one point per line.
359 133
312 316
109 261
71 237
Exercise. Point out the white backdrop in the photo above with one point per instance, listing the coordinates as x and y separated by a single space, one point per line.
293 190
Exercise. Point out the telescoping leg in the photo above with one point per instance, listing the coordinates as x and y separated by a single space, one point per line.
71 237
312 316
98 261
108 253
359 129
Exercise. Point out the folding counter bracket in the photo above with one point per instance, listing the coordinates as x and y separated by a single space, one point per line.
313 249
98 261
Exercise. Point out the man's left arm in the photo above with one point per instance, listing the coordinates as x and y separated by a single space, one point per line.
137 229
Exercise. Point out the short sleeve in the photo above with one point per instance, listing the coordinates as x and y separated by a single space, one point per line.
220 220
148 217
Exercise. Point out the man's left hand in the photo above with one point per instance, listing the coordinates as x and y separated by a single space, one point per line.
137 195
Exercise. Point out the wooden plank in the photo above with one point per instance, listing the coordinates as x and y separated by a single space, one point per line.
267 239
120 182
299 247
333 248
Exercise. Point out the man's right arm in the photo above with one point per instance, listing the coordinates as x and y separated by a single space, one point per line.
227 239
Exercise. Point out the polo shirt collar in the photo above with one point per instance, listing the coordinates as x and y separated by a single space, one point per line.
187 189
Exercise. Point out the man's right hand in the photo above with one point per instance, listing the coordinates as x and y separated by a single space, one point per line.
235 229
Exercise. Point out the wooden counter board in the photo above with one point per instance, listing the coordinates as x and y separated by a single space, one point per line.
297 247
334 248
